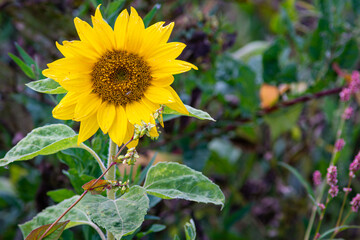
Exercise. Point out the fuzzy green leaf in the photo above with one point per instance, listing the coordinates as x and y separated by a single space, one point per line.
121 216
46 85
193 112
42 141
77 215
172 180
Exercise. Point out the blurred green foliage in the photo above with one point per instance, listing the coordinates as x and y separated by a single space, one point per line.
238 46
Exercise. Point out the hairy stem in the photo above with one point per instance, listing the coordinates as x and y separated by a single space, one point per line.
111 176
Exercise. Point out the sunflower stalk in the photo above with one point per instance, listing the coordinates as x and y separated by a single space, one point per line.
111 176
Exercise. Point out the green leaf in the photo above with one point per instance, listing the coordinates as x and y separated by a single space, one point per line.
349 55
283 120
338 229
54 233
190 230
46 85
60 195
271 67
299 177
42 141
193 112
121 216
151 14
173 180
28 60
25 68
77 215
152 229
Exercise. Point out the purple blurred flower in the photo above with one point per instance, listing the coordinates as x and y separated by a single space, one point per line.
354 85
348 113
345 94
340 143
317 178
354 166
347 190
355 203
317 236
331 176
333 191
321 206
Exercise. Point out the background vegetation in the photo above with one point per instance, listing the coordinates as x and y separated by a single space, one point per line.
238 46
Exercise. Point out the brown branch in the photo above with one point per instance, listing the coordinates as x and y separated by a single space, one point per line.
301 100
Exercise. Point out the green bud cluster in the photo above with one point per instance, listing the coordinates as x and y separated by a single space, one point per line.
129 158
158 115
143 129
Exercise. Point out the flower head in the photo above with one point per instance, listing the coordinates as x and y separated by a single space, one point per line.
345 94
348 113
355 203
340 143
354 166
331 176
317 178
334 190
119 77
354 85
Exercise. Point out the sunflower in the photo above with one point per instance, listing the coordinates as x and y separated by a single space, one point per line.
117 78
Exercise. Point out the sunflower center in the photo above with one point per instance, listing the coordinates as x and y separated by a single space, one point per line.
120 77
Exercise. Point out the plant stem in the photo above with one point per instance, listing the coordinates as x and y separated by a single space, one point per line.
98 230
334 157
111 176
346 217
76 202
311 222
93 153
322 216
342 209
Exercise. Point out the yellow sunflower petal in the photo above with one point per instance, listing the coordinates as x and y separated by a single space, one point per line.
106 115
88 127
76 49
103 30
137 112
178 105
170 67
118 129
163 81
150 105
153 131
135 32
87 105
73 63
87 34
81 84
66 107
120 29
156 35
129 135
168 51
159 95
